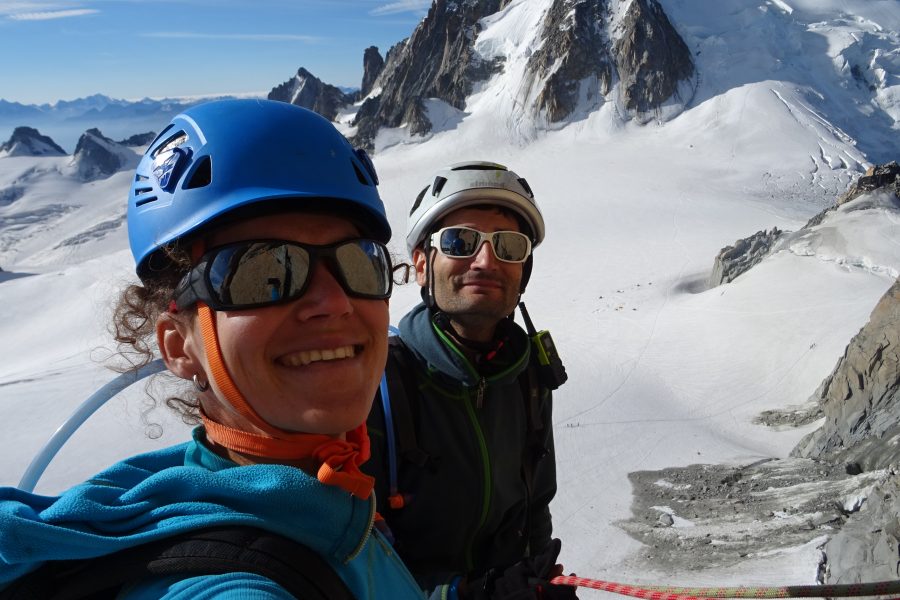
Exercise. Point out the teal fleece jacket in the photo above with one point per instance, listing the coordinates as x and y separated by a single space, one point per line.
469 508
184 487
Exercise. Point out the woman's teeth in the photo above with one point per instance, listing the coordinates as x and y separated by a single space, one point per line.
310 356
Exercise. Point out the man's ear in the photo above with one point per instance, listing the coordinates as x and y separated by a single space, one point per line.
177 345
420 262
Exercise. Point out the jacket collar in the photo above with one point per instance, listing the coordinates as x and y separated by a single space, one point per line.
423 333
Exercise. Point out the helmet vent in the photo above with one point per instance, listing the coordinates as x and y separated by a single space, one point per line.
161 134
438 185
144 201
418 200
173 142
527 187
201 175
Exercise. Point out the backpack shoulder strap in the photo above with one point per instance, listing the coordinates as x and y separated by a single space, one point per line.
403 393
534 449
292 565
399 421
530 382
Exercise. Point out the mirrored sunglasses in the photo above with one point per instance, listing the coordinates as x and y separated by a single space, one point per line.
259 273
464 242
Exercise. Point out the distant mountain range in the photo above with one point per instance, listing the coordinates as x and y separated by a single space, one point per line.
65 121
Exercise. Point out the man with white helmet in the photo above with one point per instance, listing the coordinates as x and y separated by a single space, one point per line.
462 442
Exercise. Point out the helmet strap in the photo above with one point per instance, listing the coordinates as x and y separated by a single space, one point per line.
427 290
526 273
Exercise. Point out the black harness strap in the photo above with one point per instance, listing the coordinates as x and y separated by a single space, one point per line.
229 549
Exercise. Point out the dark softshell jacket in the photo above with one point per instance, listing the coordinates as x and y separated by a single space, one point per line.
468 508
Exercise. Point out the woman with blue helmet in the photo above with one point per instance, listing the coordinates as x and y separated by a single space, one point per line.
259 239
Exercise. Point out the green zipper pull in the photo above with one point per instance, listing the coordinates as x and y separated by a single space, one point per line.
479 396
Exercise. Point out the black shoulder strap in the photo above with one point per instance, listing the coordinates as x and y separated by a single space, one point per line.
402 392
534 449
530 382
296 568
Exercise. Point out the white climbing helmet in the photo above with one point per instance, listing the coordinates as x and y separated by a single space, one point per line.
469 184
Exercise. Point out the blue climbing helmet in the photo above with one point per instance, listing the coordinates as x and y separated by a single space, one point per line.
220 156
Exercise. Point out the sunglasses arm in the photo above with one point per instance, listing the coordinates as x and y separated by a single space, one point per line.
191 288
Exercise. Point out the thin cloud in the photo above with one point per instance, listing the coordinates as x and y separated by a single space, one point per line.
245 37
52 14
401 6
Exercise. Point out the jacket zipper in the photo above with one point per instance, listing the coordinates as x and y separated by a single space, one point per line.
485 482
479 394
367 534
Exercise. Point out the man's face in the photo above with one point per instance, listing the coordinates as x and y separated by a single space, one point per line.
480 288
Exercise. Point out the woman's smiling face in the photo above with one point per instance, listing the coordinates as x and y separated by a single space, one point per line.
310 365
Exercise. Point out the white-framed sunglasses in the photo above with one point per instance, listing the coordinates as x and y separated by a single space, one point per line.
464 242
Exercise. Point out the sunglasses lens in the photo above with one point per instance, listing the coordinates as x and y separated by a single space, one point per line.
459 242
258 273
462 242
365 267
511 246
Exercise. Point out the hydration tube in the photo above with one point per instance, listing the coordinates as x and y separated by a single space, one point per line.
389 427
86 409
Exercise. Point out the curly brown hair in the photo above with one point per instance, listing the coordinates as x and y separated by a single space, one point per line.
134 321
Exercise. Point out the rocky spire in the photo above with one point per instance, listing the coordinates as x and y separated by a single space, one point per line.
372 66
308 91
438 60
574 49
651 58
98 157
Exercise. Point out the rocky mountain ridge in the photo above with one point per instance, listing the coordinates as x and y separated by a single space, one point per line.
586 49
27 141
308 91
98 157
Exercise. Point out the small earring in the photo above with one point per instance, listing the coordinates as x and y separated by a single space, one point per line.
201 387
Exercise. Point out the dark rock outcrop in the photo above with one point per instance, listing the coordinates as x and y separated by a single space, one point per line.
575 47
861 397
861 403
437 61
98 157
647 57
27 141
138 139
308 91
877 177
650 56
744 254
372 67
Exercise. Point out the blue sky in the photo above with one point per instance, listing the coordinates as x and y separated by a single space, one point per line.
138 48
